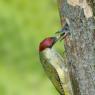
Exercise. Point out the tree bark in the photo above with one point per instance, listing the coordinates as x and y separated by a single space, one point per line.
80 45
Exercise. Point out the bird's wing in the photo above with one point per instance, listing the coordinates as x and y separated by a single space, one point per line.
53 75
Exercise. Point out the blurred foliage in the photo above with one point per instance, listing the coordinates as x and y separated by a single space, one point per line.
23 24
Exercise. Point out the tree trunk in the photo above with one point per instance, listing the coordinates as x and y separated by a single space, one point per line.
80 45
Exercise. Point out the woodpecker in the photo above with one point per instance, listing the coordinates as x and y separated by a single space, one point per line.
54 67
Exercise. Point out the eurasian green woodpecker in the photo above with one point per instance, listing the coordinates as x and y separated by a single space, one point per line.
54 66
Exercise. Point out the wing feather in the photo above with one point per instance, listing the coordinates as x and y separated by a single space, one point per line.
53 75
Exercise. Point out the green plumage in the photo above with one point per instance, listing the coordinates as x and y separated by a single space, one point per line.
56 70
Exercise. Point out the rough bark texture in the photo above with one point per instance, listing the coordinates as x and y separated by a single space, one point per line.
80 45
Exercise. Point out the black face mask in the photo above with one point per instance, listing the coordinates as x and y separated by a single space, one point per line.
54 41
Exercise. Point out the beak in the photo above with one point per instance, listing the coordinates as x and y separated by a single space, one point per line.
63 32
62 35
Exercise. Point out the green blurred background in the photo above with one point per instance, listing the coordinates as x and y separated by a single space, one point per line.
23 24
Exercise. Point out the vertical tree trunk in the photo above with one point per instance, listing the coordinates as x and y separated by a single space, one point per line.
80 45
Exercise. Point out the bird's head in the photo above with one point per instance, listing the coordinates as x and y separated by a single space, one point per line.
47 43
